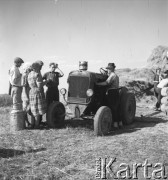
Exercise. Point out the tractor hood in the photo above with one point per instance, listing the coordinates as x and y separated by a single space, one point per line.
79 83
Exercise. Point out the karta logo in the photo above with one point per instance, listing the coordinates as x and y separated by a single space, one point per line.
105 169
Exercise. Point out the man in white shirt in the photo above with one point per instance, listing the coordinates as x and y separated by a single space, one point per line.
15 80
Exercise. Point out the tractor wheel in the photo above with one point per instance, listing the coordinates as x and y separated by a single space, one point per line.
128 108
102 121
56 115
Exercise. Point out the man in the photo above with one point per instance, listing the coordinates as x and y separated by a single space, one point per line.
112 80
157 79
163 83
15 80
52 93
112 84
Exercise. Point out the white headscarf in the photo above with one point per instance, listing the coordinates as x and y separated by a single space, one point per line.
26 66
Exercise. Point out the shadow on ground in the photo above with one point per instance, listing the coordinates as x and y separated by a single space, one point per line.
140 122
84 123
8 153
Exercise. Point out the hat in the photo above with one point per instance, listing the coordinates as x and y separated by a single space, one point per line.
40 62
110 65
18 60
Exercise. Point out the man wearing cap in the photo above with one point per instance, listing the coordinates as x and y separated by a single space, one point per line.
112 80
112 83
52 93
15 80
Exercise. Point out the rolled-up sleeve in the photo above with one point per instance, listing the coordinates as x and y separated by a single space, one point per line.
110 79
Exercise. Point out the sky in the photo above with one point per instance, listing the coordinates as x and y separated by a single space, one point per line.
68 31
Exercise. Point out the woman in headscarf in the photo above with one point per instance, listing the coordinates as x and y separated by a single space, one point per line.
25 92
36 94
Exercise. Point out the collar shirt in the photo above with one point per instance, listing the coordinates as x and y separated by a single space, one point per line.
15 76
163 83
53 78
113 80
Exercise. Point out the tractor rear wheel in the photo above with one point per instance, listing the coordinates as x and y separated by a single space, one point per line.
56 115
128 108
102 121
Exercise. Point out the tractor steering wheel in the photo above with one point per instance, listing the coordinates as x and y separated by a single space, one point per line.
103 71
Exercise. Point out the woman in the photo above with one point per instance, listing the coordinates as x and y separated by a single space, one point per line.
25 92
36 94
52 93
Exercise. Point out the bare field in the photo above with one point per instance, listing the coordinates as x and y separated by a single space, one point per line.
71 152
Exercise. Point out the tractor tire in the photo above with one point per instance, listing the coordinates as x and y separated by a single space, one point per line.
56 115
128 108
102 121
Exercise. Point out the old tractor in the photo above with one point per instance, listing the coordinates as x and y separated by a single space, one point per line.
87 100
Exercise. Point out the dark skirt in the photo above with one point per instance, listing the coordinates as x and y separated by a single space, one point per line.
52 94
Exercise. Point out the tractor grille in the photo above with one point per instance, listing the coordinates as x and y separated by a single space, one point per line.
77 89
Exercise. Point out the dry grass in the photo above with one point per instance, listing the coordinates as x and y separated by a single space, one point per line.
5 100
70 153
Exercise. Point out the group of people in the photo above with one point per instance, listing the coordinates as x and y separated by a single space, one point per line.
27 89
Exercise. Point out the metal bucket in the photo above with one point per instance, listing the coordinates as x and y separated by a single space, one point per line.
17 121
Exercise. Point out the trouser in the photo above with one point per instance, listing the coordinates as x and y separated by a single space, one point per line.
159 96
113 101
16 96
52 94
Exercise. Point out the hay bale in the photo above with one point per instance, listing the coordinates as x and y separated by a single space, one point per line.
17 121
164 108
164 91
164 100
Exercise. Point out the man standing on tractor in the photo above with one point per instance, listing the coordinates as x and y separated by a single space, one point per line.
112 84
52 93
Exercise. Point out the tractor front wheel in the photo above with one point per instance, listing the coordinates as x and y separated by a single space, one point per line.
56 115
102 121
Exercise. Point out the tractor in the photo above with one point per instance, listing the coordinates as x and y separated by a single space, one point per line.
86 100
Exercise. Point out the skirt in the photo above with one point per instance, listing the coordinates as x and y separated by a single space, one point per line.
37 102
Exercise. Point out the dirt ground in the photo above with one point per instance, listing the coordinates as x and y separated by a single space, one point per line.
71 152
